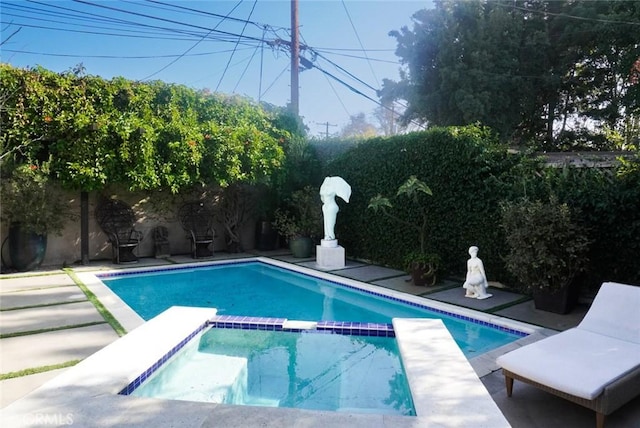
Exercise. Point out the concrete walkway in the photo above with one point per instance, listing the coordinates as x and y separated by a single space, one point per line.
47 324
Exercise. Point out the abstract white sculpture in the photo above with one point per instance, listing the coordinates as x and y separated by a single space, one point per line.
332 187
476 282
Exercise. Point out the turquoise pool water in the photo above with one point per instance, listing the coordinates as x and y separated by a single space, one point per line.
303 370
261 290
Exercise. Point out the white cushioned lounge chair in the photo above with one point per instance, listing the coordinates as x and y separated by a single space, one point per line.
596 364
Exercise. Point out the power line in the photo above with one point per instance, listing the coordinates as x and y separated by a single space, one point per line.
274 81
76 14
360 42
566 15
247 67
192 47
236 45
118 56
164 19
198 11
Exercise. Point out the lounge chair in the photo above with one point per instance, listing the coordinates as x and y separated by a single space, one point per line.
596 364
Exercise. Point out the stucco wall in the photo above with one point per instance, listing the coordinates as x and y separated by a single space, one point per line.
66 248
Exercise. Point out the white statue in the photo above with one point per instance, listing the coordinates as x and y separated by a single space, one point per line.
332 187
476 282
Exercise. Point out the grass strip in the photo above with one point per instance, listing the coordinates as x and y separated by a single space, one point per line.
43 305
47 330
30 274
108 317
36 370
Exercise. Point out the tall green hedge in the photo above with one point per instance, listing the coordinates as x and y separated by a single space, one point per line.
470 173
607 203
467 170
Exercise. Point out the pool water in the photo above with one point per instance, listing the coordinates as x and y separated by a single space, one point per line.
261 290
304 370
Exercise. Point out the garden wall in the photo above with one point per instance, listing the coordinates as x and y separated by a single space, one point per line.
65 250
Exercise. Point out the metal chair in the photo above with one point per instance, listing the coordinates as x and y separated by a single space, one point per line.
117 221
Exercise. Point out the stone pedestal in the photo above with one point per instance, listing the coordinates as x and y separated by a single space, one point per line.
330 255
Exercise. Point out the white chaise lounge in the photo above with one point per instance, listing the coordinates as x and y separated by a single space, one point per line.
596 364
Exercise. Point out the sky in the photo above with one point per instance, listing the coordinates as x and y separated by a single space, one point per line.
233 47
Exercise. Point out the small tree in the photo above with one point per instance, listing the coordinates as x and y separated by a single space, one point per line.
421 264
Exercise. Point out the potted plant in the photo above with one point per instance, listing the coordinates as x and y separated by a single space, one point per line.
33 208
422 267
421 264
300 222
546 251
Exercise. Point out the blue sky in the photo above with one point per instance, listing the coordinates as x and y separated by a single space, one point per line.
145 39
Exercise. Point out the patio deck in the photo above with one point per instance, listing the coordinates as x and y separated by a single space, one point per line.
46 320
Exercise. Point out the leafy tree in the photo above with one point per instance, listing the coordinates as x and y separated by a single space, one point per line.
529 69
358 127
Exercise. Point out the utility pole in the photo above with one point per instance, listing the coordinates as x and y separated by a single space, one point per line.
327 125
295 62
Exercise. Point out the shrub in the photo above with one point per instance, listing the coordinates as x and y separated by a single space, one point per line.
546 249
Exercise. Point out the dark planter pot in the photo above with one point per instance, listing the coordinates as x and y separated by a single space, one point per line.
420 277
26 249
301 247
559 301
266 236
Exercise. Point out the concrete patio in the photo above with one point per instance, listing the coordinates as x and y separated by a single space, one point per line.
48 322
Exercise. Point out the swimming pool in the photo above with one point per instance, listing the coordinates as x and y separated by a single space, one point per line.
313 369
255 288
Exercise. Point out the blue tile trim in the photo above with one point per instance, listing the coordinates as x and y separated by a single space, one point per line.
266 324
173 268
339 284
247 323
357 328
417 305
147 373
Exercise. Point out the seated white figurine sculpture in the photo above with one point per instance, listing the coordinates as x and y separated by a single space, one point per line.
332 187
476 282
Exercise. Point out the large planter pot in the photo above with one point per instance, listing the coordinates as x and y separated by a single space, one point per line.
301 247
26 249
558 301
266 236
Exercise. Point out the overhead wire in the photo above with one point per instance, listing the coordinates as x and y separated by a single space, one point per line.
274 81
102 18
360 42
236 45
163 19
118 56
192 47
569 16
181 30
247 67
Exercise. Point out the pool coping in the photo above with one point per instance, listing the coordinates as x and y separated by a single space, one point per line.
62 393
445 389
129 319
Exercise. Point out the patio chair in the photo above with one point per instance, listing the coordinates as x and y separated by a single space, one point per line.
596 364
197 220
117 221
